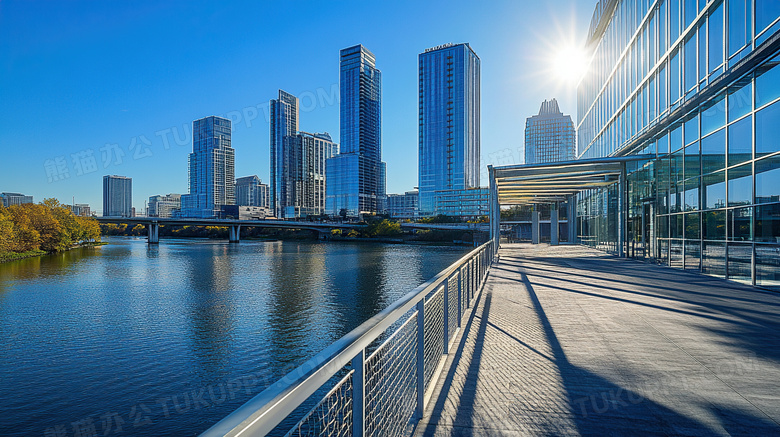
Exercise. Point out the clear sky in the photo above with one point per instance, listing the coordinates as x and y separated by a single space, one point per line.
95 88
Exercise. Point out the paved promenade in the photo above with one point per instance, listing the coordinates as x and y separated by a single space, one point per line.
569 341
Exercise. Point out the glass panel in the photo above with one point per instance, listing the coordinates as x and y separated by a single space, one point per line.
690 12
674 77
768 130
663 145
692 194
692 161
690 62
740 224
674 20
768 180
740 141
713 259
740 185
740 262
716 38
713 152
767 11
702 33
663 252
714 190
768 265
740 101
678 160
713 116
692 231
675 138
663 226
692 129
714 225
767 82
663 95
737 25
675 253
692 254
768 223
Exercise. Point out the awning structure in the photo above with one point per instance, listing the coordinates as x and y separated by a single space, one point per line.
556 182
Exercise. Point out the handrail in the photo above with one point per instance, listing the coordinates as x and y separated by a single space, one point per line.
264 412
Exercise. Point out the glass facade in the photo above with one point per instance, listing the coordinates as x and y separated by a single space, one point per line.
303 173
212 169
117 196
284 122
250 191
549 135
403 206
695 88
468 203
355 179
449 121
164 206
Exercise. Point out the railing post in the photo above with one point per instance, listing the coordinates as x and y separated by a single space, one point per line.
446 290
358 394
460 296
420 358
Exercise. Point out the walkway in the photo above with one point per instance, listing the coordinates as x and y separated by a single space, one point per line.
569 341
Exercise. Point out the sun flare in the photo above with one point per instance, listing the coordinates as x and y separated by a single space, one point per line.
569 65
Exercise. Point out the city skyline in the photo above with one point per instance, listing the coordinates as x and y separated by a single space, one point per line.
139 114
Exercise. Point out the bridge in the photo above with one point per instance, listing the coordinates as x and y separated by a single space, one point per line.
153 225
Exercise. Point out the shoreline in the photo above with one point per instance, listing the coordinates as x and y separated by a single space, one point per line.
16 256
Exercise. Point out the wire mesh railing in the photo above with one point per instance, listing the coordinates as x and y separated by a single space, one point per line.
383 392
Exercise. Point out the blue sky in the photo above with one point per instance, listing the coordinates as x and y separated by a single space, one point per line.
95 88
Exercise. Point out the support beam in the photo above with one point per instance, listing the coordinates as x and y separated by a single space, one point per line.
535 226
621 216
572 217
554 224
235 232
153 233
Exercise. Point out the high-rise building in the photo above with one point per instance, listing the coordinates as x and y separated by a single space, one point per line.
212 169
690 92
549 135
356 177
117 196
449 121
468 203
303 174
403 206
164 206
250 191
284 122
80 209
15 199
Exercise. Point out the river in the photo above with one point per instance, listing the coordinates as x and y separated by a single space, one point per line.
132 339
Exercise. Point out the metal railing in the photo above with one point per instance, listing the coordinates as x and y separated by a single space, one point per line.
383 390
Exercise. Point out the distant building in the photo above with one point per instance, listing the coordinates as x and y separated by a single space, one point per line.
303 173
81 209
403 206
250 191
15 199
549 135
449 122
284 122
117 196
244 212
470 203
164 206
211 169
355 179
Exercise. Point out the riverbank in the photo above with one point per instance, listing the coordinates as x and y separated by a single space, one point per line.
15 256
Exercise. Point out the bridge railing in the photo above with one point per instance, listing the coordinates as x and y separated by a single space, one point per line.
389 363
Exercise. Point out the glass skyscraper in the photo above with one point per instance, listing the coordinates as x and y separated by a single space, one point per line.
693 86
284 122
211 169
449 121
549 135
250 191
356 177
303 173
117 196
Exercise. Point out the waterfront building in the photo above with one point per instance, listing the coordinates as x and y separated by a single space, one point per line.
549 135
117 196
284 122
449 121
15 199
80 209
355 178
403 206
303 173
467 203
250 191
211 169
164 206
695 86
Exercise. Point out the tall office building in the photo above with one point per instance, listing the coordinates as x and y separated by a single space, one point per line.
303 173
449 114
691 92
117 196
356 177
212 169
549 135
163 206
250 191
15 199
284 122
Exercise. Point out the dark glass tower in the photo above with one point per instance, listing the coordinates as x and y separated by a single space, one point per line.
449 121
284 122
212 169
549 135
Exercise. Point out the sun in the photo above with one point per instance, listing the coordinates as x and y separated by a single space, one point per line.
569 64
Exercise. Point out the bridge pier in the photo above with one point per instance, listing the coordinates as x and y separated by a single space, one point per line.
153 233
235 232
